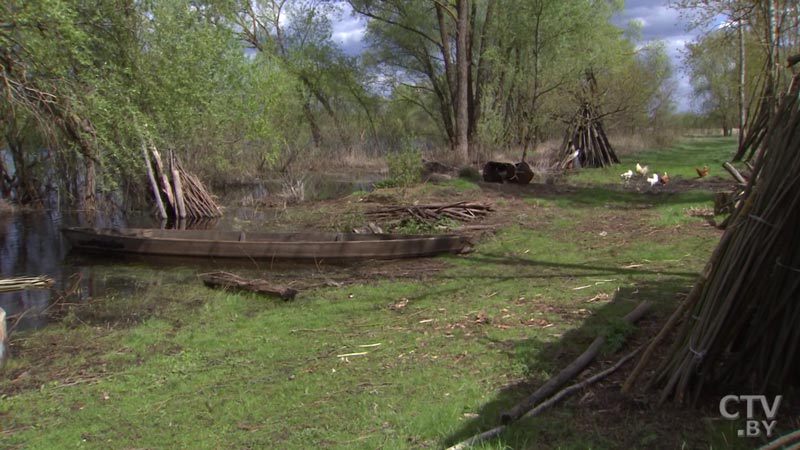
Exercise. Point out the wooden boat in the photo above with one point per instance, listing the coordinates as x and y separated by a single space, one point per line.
277 246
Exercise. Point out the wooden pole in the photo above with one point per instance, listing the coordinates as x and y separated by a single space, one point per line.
162 214
176 181
166 187
3 343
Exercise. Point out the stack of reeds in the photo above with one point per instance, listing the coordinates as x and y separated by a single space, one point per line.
741 319
178 193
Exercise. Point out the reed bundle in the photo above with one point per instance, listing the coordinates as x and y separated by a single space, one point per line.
740 326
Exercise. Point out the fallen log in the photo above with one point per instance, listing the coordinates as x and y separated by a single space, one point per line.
226 280
569 372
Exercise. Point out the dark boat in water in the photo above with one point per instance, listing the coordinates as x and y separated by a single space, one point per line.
275 246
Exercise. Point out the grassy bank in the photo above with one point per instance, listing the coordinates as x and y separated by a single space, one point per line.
437 348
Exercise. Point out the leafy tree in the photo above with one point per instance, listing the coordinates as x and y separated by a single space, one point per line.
297 35
85 82
438 48
713 68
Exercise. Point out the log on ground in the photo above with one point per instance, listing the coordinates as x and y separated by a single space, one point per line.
225 280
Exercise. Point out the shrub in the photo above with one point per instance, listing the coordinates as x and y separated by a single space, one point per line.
405 166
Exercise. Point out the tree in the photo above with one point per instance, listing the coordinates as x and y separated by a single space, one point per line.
413 42
520 57
84 82
297 34
714 70
775 25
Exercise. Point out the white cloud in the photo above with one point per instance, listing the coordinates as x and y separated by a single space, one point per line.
661 22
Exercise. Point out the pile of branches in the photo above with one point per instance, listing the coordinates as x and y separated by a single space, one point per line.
740 320
178 193
461 211
585 143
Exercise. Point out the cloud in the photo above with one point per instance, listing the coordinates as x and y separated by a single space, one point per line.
348 31
661 22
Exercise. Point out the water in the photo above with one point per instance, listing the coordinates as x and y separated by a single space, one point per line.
31 244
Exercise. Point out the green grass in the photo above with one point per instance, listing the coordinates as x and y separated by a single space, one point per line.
679 161
171 364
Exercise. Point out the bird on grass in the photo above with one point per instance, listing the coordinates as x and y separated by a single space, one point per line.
642 170
627 175
702 172
653 179
664 179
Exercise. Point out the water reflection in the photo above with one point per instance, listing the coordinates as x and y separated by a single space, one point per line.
31 244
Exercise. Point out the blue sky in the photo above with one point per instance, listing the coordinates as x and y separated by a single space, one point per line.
658 21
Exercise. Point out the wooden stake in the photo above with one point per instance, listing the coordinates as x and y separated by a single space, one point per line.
166 187
162 214
176 181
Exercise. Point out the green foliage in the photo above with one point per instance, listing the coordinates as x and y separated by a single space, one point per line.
416 226
405 165
616 333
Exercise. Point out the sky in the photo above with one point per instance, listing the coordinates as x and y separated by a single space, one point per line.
658 22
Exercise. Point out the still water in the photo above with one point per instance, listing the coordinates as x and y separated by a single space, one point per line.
31 244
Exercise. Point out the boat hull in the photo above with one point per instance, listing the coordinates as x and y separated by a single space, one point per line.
275 246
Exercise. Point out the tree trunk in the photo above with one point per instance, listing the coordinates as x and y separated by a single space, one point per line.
462 103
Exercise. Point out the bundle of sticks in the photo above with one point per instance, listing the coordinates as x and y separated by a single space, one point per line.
184 196
22 283
461 211
740 319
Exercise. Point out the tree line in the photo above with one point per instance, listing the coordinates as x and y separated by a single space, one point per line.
737 68
237 87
